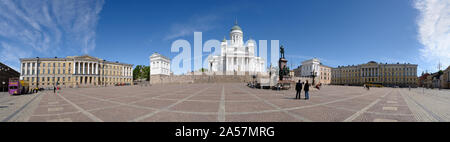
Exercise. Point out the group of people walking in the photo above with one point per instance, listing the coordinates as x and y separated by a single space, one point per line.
299 86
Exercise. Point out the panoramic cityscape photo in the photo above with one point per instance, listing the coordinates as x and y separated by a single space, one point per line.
225 61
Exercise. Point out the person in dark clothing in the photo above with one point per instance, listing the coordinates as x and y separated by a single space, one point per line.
54 89
298 88
306 88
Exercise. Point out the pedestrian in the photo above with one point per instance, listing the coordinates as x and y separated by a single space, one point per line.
54 89
298 88
306 88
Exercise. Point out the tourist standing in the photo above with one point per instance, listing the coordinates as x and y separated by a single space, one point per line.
54 89
298 88
306 88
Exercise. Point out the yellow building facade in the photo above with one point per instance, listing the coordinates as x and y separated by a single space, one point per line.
75 71
402 75
325 74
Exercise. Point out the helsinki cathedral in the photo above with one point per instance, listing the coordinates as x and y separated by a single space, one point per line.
236 56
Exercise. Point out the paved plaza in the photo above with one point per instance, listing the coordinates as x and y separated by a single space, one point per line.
227 102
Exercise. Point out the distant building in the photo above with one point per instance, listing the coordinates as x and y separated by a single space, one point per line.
74 71
325 74
402 75
6 72
159 65
310 67
291 73
422 80
298 71
434 80
445 79
314 67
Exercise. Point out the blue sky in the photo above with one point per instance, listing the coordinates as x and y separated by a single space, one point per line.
339 32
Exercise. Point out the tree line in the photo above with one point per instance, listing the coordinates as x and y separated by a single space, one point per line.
141 72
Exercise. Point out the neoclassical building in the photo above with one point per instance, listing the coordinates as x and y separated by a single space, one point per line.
314 67
159 64
403 75
75 71
236 56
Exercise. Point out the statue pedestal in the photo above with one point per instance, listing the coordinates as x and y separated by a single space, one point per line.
282 64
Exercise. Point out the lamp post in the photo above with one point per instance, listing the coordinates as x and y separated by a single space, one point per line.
313 75
3 86
37 74
103 73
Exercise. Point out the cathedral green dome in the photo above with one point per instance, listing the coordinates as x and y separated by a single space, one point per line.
236 27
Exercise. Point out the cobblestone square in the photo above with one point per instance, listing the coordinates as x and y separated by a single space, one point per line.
226 102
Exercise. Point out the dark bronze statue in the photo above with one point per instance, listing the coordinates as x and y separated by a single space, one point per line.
282 51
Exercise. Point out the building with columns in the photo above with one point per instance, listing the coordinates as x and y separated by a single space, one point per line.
74 71
402 75
235 56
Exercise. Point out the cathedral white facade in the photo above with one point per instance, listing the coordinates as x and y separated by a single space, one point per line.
236 56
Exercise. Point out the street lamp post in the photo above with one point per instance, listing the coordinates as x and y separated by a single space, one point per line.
313 75
37 74
3 86
103 73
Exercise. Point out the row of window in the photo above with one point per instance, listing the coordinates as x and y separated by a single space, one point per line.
374 79
63 79
59 71
29 68
336 74
381 69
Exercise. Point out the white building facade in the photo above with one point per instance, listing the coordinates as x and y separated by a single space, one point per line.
159 65
236 56
310 66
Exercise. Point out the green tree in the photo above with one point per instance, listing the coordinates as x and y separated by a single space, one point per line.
136 72
203 70
146 73
141 72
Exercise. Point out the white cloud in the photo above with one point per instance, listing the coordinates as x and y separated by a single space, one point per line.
50 26
47 28
194 24
434 30
12 54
